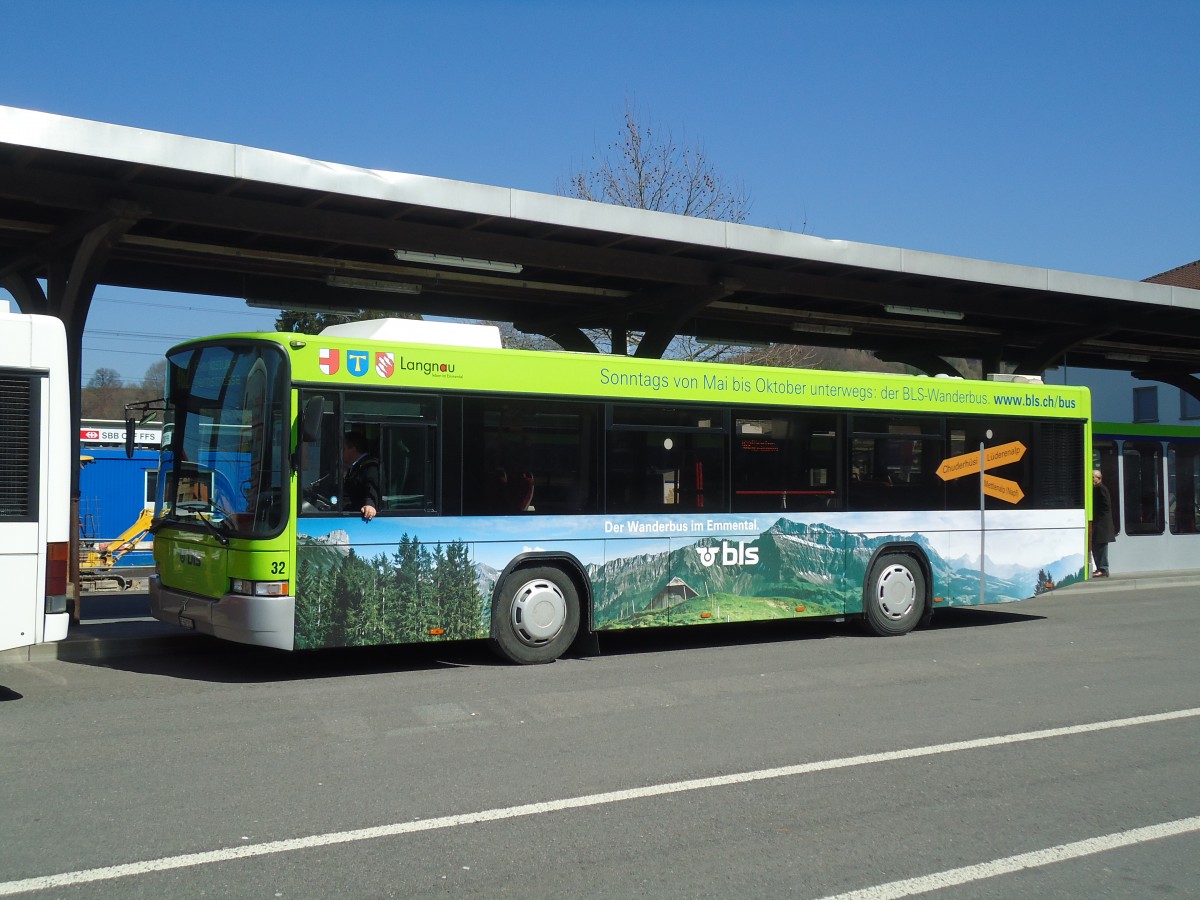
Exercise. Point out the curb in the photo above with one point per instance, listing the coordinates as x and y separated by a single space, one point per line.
106 639
1132 582
98 641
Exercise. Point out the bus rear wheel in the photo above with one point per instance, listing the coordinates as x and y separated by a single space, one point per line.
894 595
536 615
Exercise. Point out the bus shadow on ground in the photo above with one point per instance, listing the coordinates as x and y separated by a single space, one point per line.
732 635
979 617
742 634
209 659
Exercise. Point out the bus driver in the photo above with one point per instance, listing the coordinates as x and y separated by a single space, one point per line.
361 482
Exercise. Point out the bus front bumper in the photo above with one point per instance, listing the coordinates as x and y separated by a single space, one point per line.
261 621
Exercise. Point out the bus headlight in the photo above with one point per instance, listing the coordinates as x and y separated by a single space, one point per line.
258 588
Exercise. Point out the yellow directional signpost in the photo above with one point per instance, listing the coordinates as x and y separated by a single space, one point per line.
993 457
1000 488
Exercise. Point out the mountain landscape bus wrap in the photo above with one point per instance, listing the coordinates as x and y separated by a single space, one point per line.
532 498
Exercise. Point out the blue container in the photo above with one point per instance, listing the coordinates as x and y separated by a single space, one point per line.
113 491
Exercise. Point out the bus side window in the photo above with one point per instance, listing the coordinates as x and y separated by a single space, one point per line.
895 462
1143 487
401 430
321 459
1183 463
530 456
785 461
405 454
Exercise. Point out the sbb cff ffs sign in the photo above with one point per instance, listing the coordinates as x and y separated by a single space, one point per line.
117 436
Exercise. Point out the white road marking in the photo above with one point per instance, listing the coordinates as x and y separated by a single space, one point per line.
951 877
226 854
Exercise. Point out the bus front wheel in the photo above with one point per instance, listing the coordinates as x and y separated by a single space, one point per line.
536 615
894 595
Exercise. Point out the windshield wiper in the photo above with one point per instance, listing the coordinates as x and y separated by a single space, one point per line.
217 532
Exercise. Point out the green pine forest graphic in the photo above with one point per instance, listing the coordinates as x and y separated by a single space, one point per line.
344 600
404 596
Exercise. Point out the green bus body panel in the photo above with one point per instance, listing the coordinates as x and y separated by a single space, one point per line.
195 561
357 363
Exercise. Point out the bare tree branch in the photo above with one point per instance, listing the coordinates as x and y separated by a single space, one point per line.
647 169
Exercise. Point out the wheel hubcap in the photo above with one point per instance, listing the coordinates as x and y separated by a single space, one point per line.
539 611
896 592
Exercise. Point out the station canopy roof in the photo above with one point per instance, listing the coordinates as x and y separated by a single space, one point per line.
181 214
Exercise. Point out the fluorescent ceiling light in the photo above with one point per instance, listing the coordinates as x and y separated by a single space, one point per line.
923 312
373 284
303 307
733 342
458 262
815 328
1128 357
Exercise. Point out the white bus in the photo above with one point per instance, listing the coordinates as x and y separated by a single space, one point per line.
35 479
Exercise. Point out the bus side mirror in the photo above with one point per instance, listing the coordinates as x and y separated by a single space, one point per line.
130 431
310 422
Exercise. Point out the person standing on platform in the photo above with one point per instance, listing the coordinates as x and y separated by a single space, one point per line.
1104 532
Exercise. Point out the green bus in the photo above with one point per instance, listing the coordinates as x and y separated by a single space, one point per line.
537 499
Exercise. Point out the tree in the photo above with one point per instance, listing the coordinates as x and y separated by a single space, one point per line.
513 339
106 379
313 608
784 356
154 382
457 582
1044 583
105 396
646 168
305 321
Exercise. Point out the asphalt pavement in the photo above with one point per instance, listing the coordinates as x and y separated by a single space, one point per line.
117 624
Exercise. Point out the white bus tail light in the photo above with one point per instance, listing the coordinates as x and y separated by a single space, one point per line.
258 588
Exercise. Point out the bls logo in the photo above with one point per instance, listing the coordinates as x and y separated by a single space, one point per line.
741 555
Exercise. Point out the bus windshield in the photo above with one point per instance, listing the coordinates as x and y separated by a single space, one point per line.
227 466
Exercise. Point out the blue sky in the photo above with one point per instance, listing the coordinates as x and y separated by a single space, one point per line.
1058 134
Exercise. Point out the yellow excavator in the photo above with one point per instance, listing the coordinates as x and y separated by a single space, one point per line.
96 562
